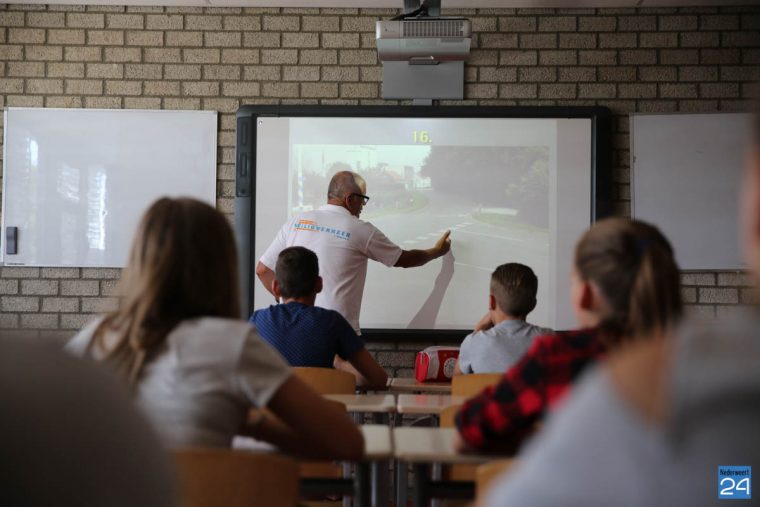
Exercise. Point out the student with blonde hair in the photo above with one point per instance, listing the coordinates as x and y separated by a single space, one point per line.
193 366
625 285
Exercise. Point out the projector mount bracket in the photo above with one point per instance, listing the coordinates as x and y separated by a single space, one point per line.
431 8
423 54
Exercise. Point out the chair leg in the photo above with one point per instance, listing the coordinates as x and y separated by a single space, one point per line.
421 485
347 500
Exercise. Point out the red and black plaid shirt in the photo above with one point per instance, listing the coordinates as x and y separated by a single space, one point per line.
502 415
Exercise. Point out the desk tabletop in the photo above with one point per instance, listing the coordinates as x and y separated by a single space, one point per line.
431 445
410 385
426 403
377 403
378 444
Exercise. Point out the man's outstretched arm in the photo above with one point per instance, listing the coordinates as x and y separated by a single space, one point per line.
415 258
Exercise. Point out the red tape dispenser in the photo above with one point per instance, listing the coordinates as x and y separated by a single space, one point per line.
435 364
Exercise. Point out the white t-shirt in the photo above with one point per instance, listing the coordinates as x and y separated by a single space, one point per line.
343 243
199 390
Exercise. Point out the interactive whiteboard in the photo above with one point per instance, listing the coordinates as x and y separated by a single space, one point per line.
512 185
76 181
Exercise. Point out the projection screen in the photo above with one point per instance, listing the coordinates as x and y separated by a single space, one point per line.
512 185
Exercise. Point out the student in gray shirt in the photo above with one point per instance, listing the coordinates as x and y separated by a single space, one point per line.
503 335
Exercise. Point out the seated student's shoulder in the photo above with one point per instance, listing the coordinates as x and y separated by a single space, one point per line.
331 317
474 339
556 342
226 344
541 331
212 335
79 344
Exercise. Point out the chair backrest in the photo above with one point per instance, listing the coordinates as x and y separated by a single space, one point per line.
212 477
487 473
446 417
473 383
327 380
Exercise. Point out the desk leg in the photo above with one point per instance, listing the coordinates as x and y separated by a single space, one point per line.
402 471
362 490
436 474
402 477
421 495
380 484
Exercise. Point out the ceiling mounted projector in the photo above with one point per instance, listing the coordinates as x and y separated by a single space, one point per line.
423 40
423 53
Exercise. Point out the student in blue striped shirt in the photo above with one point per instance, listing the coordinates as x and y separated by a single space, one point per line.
307 335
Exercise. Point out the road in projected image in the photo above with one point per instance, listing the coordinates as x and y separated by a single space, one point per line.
494 200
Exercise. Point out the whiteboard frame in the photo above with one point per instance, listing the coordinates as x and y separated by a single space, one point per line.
600 183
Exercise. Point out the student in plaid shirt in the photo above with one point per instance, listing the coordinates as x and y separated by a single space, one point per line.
625 285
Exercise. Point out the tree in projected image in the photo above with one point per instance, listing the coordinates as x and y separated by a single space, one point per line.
531 194
505 185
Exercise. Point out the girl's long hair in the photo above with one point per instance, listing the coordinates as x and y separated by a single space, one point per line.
632 264
182 265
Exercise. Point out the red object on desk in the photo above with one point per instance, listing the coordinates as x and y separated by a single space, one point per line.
435 364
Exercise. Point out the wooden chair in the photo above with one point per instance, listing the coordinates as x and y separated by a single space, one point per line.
446 417
327 380
471 384
314 469
486 473
457 472
324 381
213 477
465 385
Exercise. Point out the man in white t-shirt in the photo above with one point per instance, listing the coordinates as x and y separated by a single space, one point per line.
343 244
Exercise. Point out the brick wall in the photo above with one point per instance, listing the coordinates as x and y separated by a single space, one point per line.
647 60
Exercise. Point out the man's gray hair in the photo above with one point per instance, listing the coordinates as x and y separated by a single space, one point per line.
344 183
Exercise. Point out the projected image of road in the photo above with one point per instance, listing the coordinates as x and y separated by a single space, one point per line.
419 192
508 189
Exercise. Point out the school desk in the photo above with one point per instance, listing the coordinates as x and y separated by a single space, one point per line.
410 385
379 405
421 447
426 404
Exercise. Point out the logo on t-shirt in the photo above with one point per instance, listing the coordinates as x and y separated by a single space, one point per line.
734 482
312 226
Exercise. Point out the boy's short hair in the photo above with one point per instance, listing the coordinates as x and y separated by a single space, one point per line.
514 287
297 272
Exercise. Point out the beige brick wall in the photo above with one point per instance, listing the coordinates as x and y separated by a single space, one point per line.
648 60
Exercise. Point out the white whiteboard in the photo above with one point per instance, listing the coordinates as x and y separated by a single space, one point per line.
685 178
76 181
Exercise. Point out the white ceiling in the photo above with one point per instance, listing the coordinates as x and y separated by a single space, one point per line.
398 3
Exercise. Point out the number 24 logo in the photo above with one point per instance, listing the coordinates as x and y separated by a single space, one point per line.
741 486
